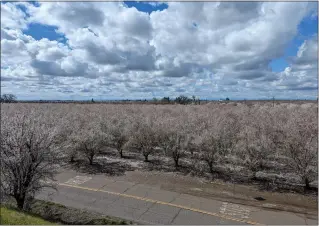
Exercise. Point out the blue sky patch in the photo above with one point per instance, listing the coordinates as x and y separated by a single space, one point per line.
307 28
278 64
39 31
147 7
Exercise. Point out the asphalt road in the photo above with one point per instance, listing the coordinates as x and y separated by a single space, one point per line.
152 205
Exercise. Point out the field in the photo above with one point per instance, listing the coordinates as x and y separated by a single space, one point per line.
272 144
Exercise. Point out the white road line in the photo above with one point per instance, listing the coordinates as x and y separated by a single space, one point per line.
78 180
234 210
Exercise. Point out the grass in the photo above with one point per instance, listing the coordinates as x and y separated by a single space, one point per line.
49 213
71 216
11 216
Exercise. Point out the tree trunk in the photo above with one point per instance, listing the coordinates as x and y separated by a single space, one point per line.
176 161
20 201
146 157
165 150
121 153
210 164
254 175
307 184
91 159
72 158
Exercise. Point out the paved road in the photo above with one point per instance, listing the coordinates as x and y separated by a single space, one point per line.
152 205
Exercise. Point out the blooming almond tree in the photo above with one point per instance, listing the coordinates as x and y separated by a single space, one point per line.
174 145
173 140
117 133
178 148
145 140
301 146
69 135
30 151
209 150
256 153
90 144
89 139
174 137
218 139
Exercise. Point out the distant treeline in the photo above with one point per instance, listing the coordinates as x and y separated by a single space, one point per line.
184 100
8 98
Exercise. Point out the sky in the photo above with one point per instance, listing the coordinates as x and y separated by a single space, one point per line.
142 50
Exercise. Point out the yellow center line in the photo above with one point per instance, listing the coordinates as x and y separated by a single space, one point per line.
164 203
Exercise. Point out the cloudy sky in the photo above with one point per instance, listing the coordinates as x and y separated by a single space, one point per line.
120 50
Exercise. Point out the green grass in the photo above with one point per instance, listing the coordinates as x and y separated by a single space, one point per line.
72 216
15 217
42 212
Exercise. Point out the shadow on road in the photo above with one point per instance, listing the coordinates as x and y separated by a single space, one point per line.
101 166
116 166
168 166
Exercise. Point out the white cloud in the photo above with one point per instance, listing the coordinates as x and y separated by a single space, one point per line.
303 72
12 17
189 47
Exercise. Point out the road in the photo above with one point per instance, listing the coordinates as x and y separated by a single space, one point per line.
151 205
